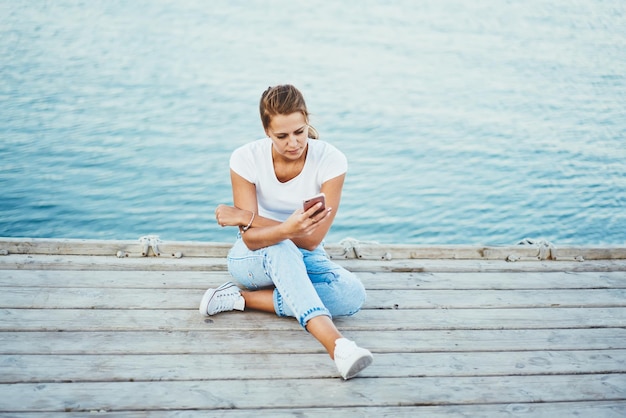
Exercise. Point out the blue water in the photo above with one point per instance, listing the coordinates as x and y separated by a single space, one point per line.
480 122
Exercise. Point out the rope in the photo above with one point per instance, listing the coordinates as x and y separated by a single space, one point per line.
545 248
354 245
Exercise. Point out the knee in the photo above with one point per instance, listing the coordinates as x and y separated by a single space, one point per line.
283 249
358 294
351 296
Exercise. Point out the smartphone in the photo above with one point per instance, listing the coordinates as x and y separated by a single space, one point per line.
308 203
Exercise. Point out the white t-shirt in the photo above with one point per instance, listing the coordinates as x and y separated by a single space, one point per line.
277 200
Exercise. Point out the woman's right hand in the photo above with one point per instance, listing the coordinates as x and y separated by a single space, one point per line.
231 216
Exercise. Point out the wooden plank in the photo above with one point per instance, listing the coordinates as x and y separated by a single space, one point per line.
95 263
487 299
377 281
98 298
75 262
178 367
351 250
486 318
494 280
385 319
463 266
302 393
475 252
595 409
119 279
211 341
120 298
133 248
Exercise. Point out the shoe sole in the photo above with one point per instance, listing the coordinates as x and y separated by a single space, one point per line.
208 295
359 365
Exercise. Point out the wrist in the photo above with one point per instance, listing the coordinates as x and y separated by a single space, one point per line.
244 217
248 222
283 232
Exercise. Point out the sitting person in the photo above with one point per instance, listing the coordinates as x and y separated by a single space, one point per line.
278 258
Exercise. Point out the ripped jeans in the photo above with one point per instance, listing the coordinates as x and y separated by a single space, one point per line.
306 283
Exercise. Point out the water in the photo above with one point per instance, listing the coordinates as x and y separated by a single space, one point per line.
478 122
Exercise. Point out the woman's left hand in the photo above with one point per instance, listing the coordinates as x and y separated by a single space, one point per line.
303 224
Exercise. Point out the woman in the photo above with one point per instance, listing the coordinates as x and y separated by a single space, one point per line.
278 257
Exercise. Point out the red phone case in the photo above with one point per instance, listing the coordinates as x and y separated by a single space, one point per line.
308 203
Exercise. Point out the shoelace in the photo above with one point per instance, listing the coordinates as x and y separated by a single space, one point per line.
226 301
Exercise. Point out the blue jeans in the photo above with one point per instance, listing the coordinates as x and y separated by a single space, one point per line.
306 283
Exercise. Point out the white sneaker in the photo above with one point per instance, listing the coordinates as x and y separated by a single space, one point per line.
227 297
350 358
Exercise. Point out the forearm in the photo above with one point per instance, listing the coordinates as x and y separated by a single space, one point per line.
258 238
266 232
257 231
308 243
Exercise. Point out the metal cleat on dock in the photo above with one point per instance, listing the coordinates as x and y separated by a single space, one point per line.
545 250
355 248
150 242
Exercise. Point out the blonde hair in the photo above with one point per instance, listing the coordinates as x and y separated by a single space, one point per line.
283 99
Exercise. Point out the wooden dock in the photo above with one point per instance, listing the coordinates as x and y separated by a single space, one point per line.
93 328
